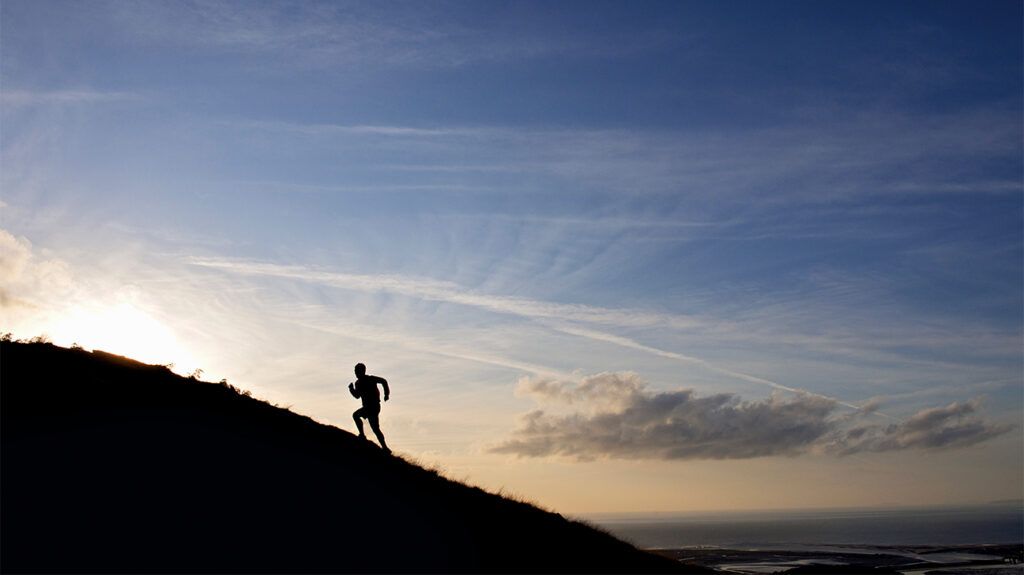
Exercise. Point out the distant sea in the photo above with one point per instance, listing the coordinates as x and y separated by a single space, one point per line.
995 523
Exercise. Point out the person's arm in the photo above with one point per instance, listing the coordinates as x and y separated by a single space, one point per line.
352 389
384 383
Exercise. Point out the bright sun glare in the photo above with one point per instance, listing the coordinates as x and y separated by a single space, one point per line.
125 330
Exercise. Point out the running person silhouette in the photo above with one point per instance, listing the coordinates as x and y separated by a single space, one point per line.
365 388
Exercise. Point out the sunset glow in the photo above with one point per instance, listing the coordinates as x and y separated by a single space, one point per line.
125 330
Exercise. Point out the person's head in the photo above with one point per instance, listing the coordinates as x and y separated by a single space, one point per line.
360 370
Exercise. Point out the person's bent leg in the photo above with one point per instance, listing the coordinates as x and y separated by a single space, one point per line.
375 426
356 416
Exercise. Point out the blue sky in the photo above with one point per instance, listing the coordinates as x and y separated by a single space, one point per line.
809 211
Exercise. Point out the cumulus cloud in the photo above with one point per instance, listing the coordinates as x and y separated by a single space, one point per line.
954 425
15 254
26 276
616 416
613 388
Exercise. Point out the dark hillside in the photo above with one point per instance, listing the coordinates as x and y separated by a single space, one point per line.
112 465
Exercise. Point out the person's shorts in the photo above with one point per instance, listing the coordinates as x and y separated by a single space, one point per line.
368 411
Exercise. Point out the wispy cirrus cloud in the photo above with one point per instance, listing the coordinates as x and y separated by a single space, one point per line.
332 35
376 334
18 98
564 314
620 418
817 160
326 129
590 323
558 316
443 291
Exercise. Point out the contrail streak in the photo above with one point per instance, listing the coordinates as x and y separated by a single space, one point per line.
449 292
633 344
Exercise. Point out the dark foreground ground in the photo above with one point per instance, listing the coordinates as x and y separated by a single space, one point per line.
109 465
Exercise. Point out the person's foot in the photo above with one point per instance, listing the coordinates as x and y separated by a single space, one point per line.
385 449
363 437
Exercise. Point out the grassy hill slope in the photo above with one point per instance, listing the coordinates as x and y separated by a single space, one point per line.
112 465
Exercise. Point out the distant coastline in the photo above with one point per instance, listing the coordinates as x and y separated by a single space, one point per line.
652 516
904 560
913 540
940 525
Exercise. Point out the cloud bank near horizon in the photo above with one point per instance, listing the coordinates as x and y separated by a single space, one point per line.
616 416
